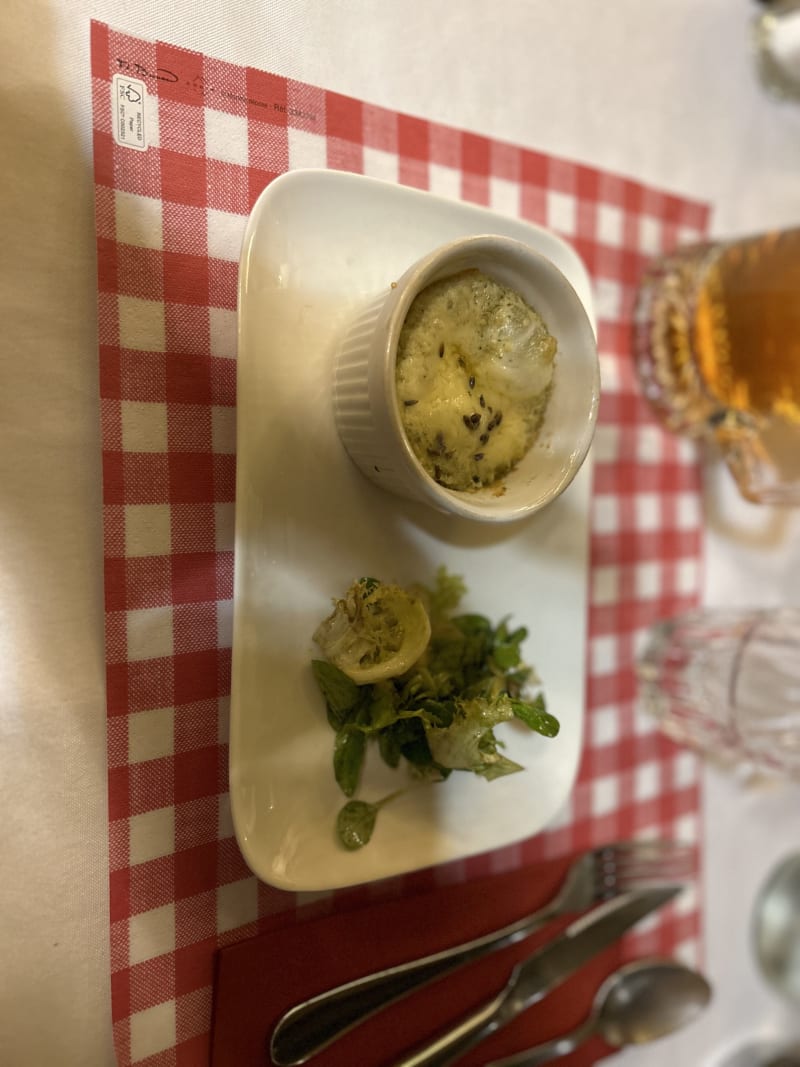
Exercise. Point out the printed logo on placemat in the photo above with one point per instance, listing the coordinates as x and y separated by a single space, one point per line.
128 97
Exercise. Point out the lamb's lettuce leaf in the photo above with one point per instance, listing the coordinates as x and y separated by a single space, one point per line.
438 710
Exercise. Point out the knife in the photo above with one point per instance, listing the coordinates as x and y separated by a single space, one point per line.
532 979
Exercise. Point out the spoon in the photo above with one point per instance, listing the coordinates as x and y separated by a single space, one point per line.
789 1058
638 1003
765 1053
776 928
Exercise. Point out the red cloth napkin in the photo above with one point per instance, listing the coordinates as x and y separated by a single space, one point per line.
259 979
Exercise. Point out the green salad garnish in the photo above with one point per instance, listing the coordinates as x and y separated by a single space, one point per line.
427 685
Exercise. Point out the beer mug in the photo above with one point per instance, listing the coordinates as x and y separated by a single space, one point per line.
717 350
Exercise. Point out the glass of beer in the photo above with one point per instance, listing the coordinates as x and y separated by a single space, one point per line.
717 350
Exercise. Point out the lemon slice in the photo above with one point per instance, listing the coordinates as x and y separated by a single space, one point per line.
374 632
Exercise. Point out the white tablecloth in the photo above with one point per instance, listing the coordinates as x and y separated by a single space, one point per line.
663 91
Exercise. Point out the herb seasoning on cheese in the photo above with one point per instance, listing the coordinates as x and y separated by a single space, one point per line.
474 373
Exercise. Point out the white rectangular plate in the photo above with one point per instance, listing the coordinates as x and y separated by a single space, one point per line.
318 244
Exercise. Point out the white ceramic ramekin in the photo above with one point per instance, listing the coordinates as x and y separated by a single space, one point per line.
365 396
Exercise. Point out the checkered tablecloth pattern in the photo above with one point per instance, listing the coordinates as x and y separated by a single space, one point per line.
173 190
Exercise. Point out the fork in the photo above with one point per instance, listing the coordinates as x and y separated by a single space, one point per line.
592 877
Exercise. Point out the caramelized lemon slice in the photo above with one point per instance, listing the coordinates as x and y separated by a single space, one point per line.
374 632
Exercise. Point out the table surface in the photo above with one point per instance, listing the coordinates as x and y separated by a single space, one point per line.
663 92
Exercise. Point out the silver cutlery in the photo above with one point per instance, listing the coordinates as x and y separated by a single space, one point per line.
597 875
640 1002
770 1052
532 979
775 928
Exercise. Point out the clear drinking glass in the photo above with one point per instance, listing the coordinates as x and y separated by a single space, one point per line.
727 682
776 35
717 350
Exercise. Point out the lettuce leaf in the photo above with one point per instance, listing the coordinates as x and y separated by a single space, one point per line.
468 743
433 706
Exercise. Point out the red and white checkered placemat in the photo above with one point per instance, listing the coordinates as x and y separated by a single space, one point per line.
183 145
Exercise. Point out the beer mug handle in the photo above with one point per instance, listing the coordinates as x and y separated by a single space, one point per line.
762 456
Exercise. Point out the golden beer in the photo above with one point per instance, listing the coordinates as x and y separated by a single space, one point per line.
717 348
